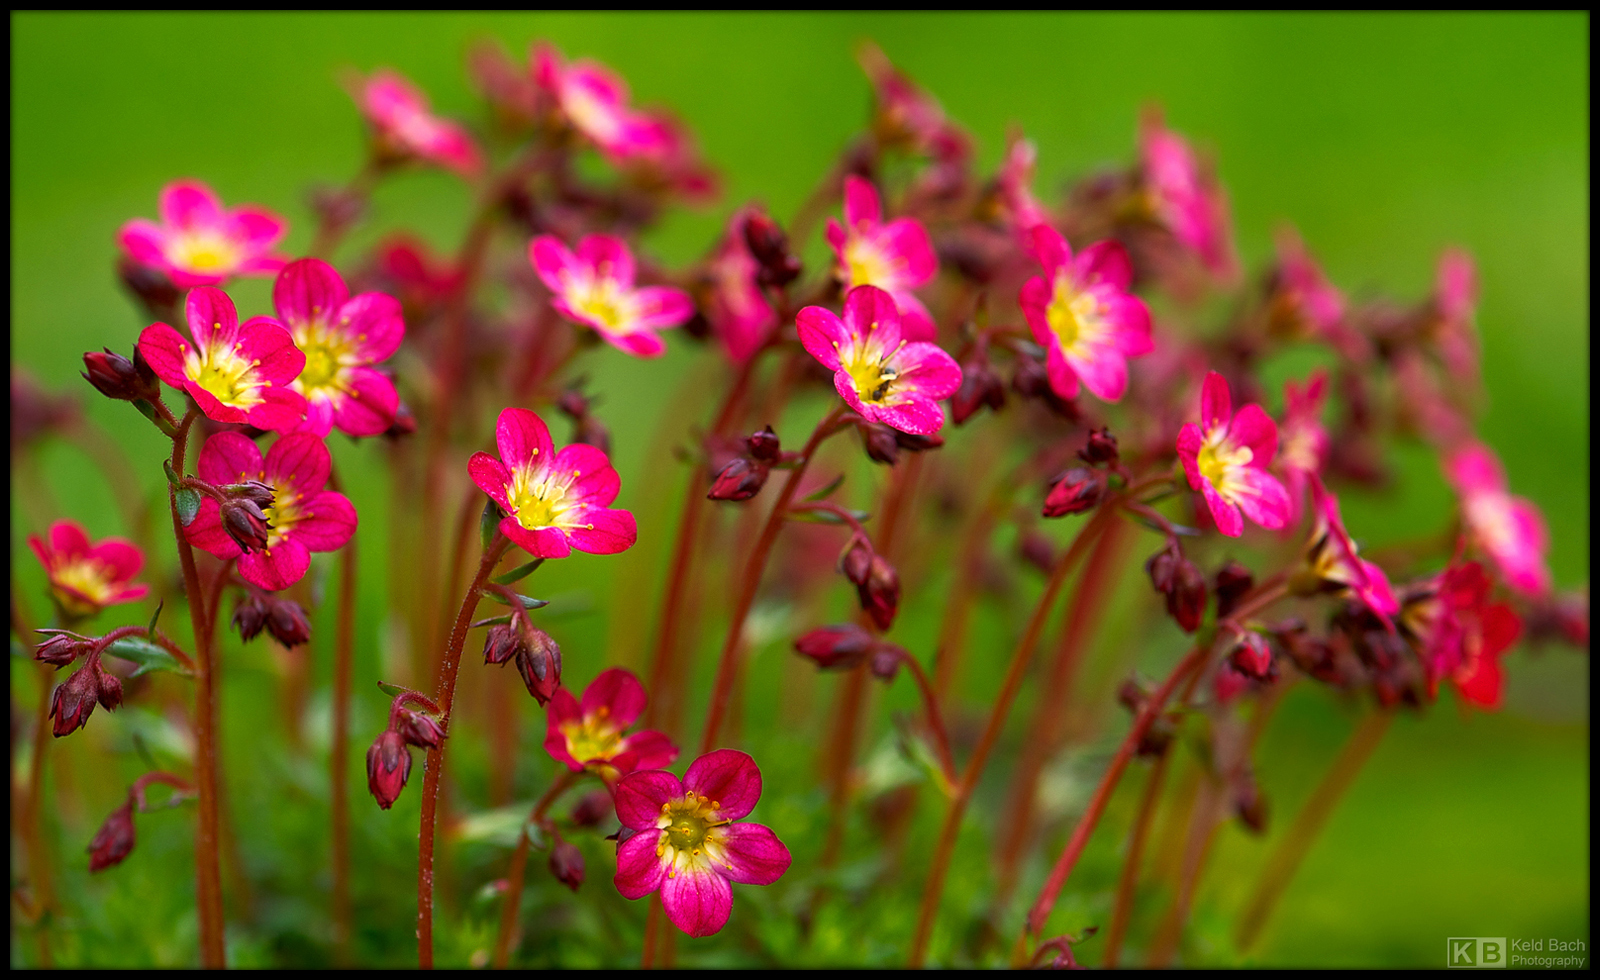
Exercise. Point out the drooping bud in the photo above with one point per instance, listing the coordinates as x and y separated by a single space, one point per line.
1032 380
741 479
593 808
501 643
1101 448
62 647
245 523
879 442
1180 580
770 247
880 592
857 561
764 445
404 423
114 840
110 696
885 662
1074 492
418 729
256 492
1250 805
74 700
1253 656
590 431
980 385
118 377
287 621
388 768
250 616
836 647
1232 582
566 863
539 663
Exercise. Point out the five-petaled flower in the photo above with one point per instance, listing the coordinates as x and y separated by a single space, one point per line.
235 372
1509 529
1461 633
896 257
405 127
1184 199
1227 459
589 734
201 243
595 287
687 844
341 337
554 502
1080 310
86 577
595 102
879 371
303 516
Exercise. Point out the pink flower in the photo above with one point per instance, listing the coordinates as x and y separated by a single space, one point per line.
554 502
403 124
1082 313
341 338
1463 634
1227 461
234 372
588 735
878 371
687 844
738 309
896 257
1331 558
1455 296
906 112
1302 437
1307 290
86 577
595 102
1189 203
200 243
1509 529
1015 188
595 287
303 516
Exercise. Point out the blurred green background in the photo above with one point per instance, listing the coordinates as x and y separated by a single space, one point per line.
1382 138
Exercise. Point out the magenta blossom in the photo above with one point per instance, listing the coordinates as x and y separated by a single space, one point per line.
341 337
1463 634
906 112
1303 285
1455 296
1509 529
405 127
595 288
1331 558
588 734
235 372
201 243
1227 461
896 257
686 843
1014 186
1302 437
1188 202
738 309
595 102
554 502
87 577
1080 310
879 372
303 516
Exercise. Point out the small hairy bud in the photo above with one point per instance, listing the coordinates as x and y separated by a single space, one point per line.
256 492
287 621
418 729
885 662
1101 448
118 377
741 479
74 700
836 647
62 647
1253 656
110 695
539 663
763 445
388 768
594 808
880 592
113 842
857 561
250 616
566 863
245 523
1186 603
1074 492
502 642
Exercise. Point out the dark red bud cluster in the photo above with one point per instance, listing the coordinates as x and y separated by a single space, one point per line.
744 475
537 654
1074 491
1181 581
1313 657
62 647
118 377
981 385
284 619
418 729
585 427
877 583
848 646
73 701
770 247
114 840
1232 583
594 808
244 514
1394 674
566 863
388 768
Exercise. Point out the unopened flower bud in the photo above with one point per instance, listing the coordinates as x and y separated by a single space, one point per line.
741 479
913 442
836 647
418 729
1163 567
980 385
880 593
539 663
1232 582
572 404
566 863
74 700
245 523
62 647
594 808
110 696
1158 737
250 616
501 643
1253 656
1228 683
764 445
857 561
1101 448
1032 380
1132 695
1037 550
1074 492
118 377
388 768
1180 580
885 662
404 423
114 840
770 247
879 442
256 492
590 431
287 621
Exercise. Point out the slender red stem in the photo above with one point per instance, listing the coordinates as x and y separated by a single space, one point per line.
339 754
930 703
1122 907
515 876
32 823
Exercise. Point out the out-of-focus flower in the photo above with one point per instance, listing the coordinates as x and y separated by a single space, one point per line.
554 502
342 337
981 385
878 371
738 309
86 577
405 127
1227 461
114 840
1462 635
1081 312
1302 439
1191 204
35 412
1509 529
235 372
1309 303
594 286
595 102
896 257
408 266
908 115
1331 562
388 768
1014 188
589 734
1455 299
201 243
687 844
303 516
836 647
1252 657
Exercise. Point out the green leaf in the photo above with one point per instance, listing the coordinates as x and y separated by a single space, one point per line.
526 602
392 690
500 827
172 475
826 516
148 655
489 523
152 627
188 502
518 574
831 487
492 621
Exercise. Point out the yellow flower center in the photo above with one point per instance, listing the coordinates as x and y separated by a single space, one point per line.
692 837
82 586
204 252
329 355
592 737
1214 460
282 515
870 371
1074 315
867 264
600 300
537 504
224 373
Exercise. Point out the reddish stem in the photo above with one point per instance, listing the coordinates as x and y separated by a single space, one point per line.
512 903
935 720
339 755
1122 907
32 823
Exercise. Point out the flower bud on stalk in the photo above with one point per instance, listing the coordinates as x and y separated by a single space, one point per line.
502 642
770 248
980 385
1233 581
1074 492
152 286
741 479
1249 804
594 808
418 729
539 663
1180 580
880 592
1101 448
836 647
885 662
114 840
62 647
73 701
566 863
246 523
117 377
388 768
879 442
911 442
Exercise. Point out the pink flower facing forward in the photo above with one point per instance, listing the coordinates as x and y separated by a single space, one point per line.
235 372
401 119
87 577
1080 310
201 243
595 288
1227 461
588 734
1331 558
896 257
1302 438
341 337
303 517
554 502
686 843
1463 634
880 373
738 309
1510 529
1191 205
595 102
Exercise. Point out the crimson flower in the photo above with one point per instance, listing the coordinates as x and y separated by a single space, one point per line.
687 843
302 518
403 123
1227 461
589 734
1509 529
235 372
1463 634
896 257
86 577
201 243
554 502
595 287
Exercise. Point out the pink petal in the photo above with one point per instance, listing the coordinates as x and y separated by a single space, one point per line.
608 257
908 246
326 523
319 414
698 902
211 313
870 311
368 409
1130 319
757 856
375 322
68 540
597 483
641 795
523 439
846 387
649 750
552 261
144 242
1254 428
619 693
230 457
563 708
1475 469
299 462
821 333
205 531
163 348
1224 513
1063 379
257 229
122 558
190 204
278 568
1216 403
1259 494
546 542
41 551
916 323
728 777
1377 592
642 343
491 476
861 203
1105 373
308 290
1190 442
836 237
214 409
639 870
280 410
1050 248
269 343
918 417
1034 298
1106 262
660 307
926 369
608 532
